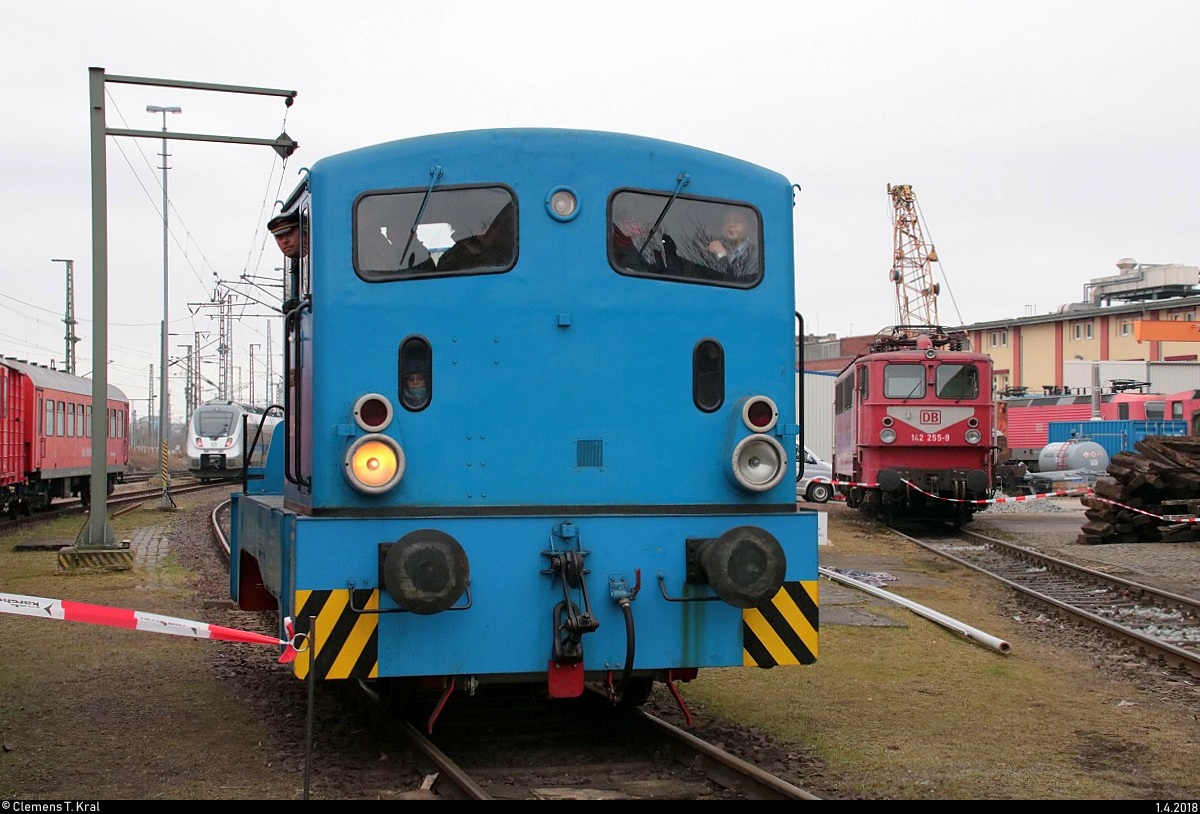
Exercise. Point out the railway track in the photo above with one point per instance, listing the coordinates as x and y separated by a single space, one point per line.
506 742
125 499
142 477
1160 625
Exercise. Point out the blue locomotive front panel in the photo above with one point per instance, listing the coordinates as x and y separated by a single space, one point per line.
539 403
515 611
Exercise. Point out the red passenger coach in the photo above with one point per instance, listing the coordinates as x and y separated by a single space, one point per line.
12 417
913 427
46 436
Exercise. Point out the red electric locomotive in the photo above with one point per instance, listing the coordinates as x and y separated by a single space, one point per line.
913 427
46 436
1184 406
1024 421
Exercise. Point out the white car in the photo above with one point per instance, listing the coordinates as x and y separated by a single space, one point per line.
813 477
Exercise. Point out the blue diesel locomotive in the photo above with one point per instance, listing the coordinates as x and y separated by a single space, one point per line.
540 396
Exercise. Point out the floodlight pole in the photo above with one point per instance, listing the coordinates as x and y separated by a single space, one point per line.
97 534
164 412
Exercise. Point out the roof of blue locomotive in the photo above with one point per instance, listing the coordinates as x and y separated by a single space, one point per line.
495 147
60 380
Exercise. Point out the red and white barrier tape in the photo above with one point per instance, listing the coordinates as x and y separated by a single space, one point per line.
1015 499
1087 490
136 620
1170 518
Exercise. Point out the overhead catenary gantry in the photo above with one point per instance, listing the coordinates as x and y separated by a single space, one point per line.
97 532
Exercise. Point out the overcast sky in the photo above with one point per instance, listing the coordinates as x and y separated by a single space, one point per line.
1044 140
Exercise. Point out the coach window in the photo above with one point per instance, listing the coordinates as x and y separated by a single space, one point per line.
71 420
708 375
904 381
87 425
691 240
957 381
49 417
61 419
415 233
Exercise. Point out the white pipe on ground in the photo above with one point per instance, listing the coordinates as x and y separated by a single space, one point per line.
999 645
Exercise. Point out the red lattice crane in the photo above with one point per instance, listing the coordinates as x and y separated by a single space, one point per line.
912 272
912 261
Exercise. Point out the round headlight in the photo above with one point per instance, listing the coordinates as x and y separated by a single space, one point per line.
887 435
374 464
759 463
973 436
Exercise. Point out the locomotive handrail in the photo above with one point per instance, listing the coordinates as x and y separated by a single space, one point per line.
398 608
248 449
291 376
662 586
800 390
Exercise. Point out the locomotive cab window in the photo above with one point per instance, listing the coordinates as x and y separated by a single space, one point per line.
904 381
957 381
691 240
401 234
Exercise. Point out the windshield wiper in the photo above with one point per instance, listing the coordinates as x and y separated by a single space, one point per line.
435 175
681 181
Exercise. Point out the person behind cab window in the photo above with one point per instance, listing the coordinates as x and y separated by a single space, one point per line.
416 384
631 249
291 236
491 247
733 251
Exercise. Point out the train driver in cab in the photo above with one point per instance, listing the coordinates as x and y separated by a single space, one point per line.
291 235
733 250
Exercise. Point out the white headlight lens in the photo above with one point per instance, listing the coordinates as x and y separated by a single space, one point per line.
759 463
887 435
973 436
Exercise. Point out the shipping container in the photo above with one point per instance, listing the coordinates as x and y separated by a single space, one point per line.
1115 436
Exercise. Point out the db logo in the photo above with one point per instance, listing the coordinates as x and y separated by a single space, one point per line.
931 416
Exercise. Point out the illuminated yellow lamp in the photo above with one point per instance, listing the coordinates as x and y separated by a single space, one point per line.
375 464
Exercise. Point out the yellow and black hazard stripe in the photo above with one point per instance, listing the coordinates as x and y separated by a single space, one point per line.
783 631
346 643
72 559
